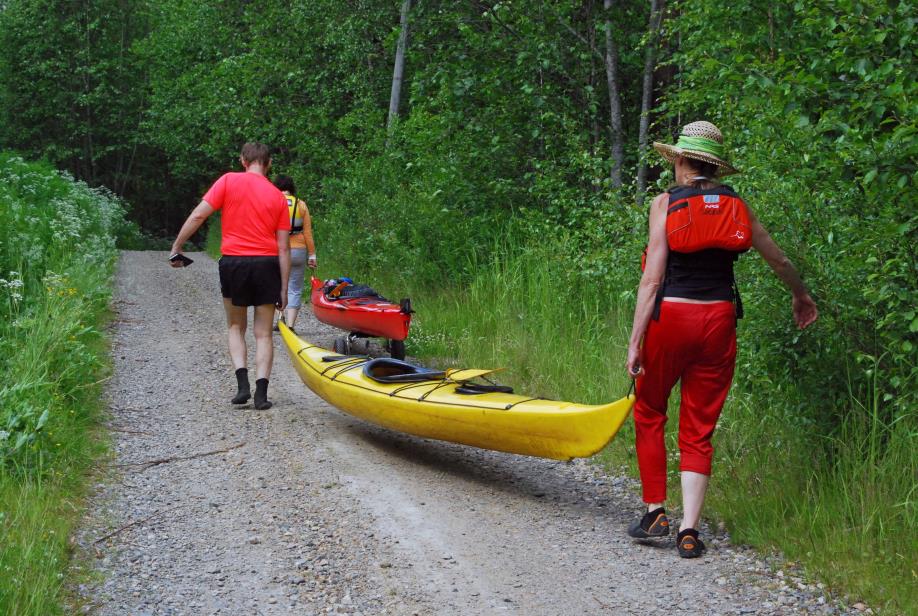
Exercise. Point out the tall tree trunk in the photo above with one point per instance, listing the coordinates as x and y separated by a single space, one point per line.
615 101
656 16
771 33
594 122
89 154
399 71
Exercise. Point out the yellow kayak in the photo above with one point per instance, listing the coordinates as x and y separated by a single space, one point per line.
447 406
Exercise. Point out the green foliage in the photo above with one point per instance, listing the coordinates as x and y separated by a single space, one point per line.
515 314
57 248
213 236
502 127
294 77
56 251
69 85
43 481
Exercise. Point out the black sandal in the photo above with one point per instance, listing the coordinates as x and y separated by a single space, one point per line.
654 524
690 546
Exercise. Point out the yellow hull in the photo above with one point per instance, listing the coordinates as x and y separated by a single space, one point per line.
432 409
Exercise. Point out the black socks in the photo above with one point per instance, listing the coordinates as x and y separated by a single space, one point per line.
245 392
242 379
261 395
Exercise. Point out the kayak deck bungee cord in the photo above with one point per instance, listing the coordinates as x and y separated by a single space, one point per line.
446 405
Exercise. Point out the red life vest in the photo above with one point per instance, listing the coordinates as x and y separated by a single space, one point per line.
698 219
713 218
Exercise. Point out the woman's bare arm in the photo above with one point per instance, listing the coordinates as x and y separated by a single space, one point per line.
804 308
657 252
307 230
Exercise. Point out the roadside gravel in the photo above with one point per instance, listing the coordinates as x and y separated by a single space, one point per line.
305 510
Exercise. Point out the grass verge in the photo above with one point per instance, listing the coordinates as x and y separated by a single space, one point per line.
213 236
63 360
57 250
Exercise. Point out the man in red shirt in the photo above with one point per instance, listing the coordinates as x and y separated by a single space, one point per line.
256 260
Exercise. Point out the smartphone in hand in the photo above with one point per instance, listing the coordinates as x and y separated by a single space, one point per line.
180 258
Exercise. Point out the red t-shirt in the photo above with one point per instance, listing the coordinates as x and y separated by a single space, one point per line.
253 211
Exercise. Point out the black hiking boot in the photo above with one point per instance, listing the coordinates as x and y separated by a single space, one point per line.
242 380
654 524
261 395
690 546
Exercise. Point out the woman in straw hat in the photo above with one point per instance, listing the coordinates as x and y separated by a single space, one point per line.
685 321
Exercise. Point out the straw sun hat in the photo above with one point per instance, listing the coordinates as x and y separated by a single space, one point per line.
699 141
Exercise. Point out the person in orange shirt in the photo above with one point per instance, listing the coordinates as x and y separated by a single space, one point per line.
302 247
255 264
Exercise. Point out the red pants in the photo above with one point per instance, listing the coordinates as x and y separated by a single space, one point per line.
697 344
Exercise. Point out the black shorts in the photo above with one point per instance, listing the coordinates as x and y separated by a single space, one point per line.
250 281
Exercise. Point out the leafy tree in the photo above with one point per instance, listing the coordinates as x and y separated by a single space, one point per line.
70 85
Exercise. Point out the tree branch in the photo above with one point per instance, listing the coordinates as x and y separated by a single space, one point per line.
151 463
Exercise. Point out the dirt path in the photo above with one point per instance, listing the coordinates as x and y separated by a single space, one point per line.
314 512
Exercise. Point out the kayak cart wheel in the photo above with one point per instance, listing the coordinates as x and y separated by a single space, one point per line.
358 344
341 345
397 349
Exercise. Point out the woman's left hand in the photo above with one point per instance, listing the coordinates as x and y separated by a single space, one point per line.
805 311
633 364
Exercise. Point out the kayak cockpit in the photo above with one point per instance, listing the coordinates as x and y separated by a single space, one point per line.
388 370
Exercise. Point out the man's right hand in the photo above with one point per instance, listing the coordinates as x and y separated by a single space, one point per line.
282 304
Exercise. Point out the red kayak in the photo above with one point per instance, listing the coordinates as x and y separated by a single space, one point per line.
361 311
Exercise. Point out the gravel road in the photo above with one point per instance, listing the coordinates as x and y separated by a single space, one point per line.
309 511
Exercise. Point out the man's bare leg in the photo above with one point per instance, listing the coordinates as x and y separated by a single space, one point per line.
236 317
264 353
264 345
236 321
